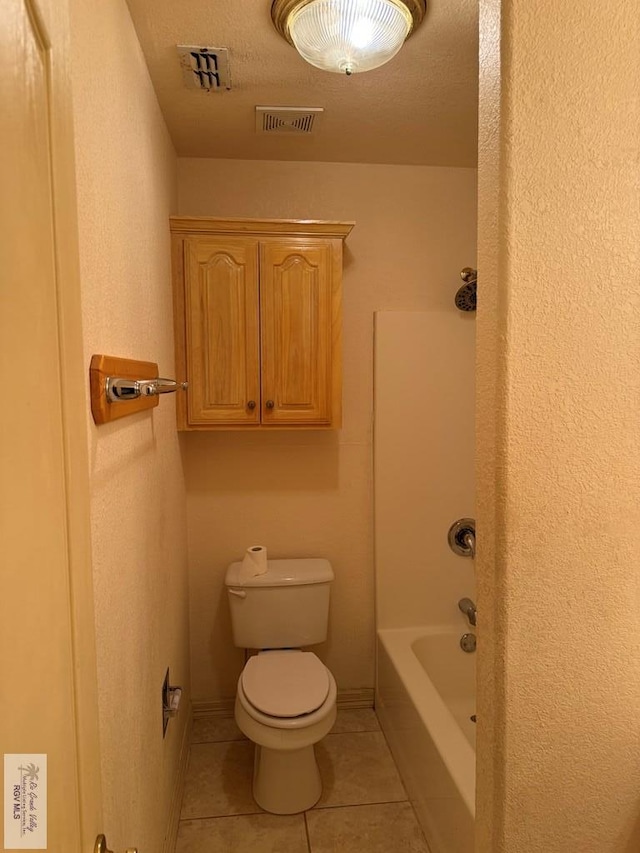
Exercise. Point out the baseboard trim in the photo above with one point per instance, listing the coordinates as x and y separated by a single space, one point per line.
355 699
213 708
171 836
348 700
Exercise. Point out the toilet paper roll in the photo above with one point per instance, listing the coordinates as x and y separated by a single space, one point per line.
255 561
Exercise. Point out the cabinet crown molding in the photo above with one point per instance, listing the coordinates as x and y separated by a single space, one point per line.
262 227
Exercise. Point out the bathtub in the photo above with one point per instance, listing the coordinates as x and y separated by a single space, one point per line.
425 691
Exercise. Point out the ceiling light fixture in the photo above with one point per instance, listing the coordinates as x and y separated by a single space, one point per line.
347 36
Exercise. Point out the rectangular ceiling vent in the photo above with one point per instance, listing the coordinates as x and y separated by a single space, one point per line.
205 68
297 121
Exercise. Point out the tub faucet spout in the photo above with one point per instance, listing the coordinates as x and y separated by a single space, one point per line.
469 609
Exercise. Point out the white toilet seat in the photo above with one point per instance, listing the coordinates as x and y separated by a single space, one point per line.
303 721
285 683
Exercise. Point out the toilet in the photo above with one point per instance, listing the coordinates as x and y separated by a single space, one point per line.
286 698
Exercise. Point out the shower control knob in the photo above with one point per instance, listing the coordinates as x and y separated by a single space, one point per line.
270 404
251 404
462 537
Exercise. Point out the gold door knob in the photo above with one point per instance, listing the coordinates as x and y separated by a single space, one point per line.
270 404
101 846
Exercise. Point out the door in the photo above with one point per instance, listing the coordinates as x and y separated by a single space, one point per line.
48 678
222 332
296 302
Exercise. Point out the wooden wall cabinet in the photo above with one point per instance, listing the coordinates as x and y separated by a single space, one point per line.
258 322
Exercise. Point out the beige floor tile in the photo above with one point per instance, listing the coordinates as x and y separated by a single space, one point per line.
218 780
357 768
213 729
366 829
358 720
257 833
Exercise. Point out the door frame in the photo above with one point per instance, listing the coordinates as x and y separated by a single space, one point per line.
55 17
52 19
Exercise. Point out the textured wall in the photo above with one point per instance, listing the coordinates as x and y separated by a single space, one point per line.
559 408
126 190
305 493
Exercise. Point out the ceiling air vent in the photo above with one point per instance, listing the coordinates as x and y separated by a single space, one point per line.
205 68
297 121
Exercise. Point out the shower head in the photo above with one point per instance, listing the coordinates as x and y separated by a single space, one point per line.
466 296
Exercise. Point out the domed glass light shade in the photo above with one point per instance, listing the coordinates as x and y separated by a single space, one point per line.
349 36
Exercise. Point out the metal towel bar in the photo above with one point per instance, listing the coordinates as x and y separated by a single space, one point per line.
120 390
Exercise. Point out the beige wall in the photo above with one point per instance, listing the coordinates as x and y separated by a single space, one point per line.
306 493
558 439
126 190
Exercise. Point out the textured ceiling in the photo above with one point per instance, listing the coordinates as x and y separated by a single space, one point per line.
420 108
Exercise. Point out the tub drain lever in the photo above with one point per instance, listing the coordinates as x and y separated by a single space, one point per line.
468 643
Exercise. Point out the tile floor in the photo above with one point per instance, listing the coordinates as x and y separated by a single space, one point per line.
363 807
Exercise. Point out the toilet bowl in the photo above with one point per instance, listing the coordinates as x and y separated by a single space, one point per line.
286 703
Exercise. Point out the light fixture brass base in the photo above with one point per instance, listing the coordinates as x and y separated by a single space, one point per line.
281 11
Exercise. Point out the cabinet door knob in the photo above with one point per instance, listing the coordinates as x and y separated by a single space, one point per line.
270 404
251 404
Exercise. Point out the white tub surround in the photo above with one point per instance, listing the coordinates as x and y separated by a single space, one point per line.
423 462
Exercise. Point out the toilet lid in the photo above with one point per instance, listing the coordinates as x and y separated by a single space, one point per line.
285 683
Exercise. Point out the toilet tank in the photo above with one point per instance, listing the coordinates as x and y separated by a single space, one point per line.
286 607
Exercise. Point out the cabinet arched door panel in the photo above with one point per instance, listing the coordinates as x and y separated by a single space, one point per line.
222 330
296 305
